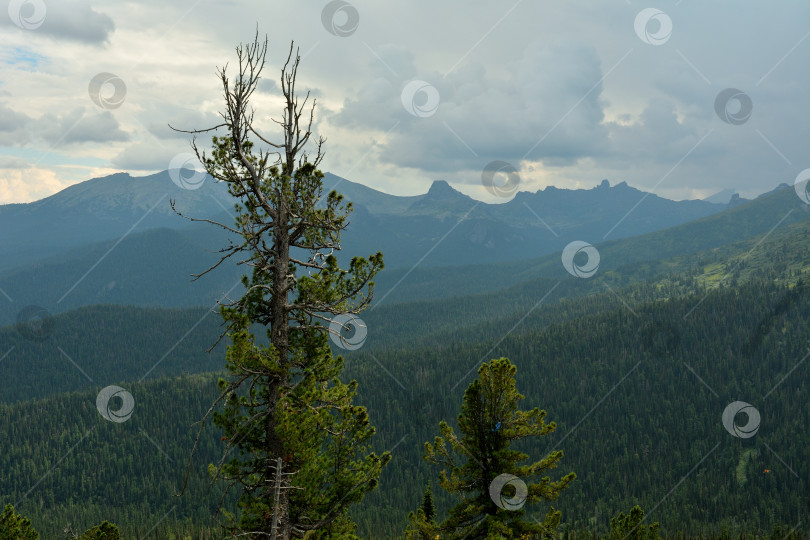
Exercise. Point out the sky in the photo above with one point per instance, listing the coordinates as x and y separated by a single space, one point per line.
680 98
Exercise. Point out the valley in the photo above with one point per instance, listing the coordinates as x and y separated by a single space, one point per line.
635 366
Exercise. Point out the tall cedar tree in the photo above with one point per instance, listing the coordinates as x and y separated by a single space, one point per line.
490 422
283 403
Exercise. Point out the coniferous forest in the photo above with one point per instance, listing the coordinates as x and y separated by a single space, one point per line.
267 370
637 393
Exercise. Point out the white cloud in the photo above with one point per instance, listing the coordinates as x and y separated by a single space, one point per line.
13 127
605 104
80 125
9 162
551 92
66 20
21 184
148 155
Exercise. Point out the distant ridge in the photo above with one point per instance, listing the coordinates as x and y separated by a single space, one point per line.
722 197
153 267
405 228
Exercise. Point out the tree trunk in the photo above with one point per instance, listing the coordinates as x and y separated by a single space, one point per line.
280 340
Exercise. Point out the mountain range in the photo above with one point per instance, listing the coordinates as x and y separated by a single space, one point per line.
692 301
110 207
116 239
635 366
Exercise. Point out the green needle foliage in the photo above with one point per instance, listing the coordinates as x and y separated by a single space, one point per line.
423 521
428 508
297 447
490 422
16 527
631 527
105 531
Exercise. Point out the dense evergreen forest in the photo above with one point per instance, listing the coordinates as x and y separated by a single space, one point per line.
636 368
340 270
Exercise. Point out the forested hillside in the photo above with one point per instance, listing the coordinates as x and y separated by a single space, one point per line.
100 345
347 270
124 343
154 268
635 366
63 464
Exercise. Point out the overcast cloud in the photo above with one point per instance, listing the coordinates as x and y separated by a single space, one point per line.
569 93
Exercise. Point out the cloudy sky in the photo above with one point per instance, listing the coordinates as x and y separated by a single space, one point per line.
682 98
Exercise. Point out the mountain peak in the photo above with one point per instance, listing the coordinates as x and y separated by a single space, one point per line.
780 187
722 197
440 200
440 189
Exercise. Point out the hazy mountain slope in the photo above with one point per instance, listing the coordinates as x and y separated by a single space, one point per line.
99 209
148 269
549 295
121 341
153 268
595 211
764 214
376 202
407 228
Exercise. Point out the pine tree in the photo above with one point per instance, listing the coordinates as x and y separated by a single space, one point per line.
630 527
423 522
493 487
297 446
428 508
13 526
105 531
